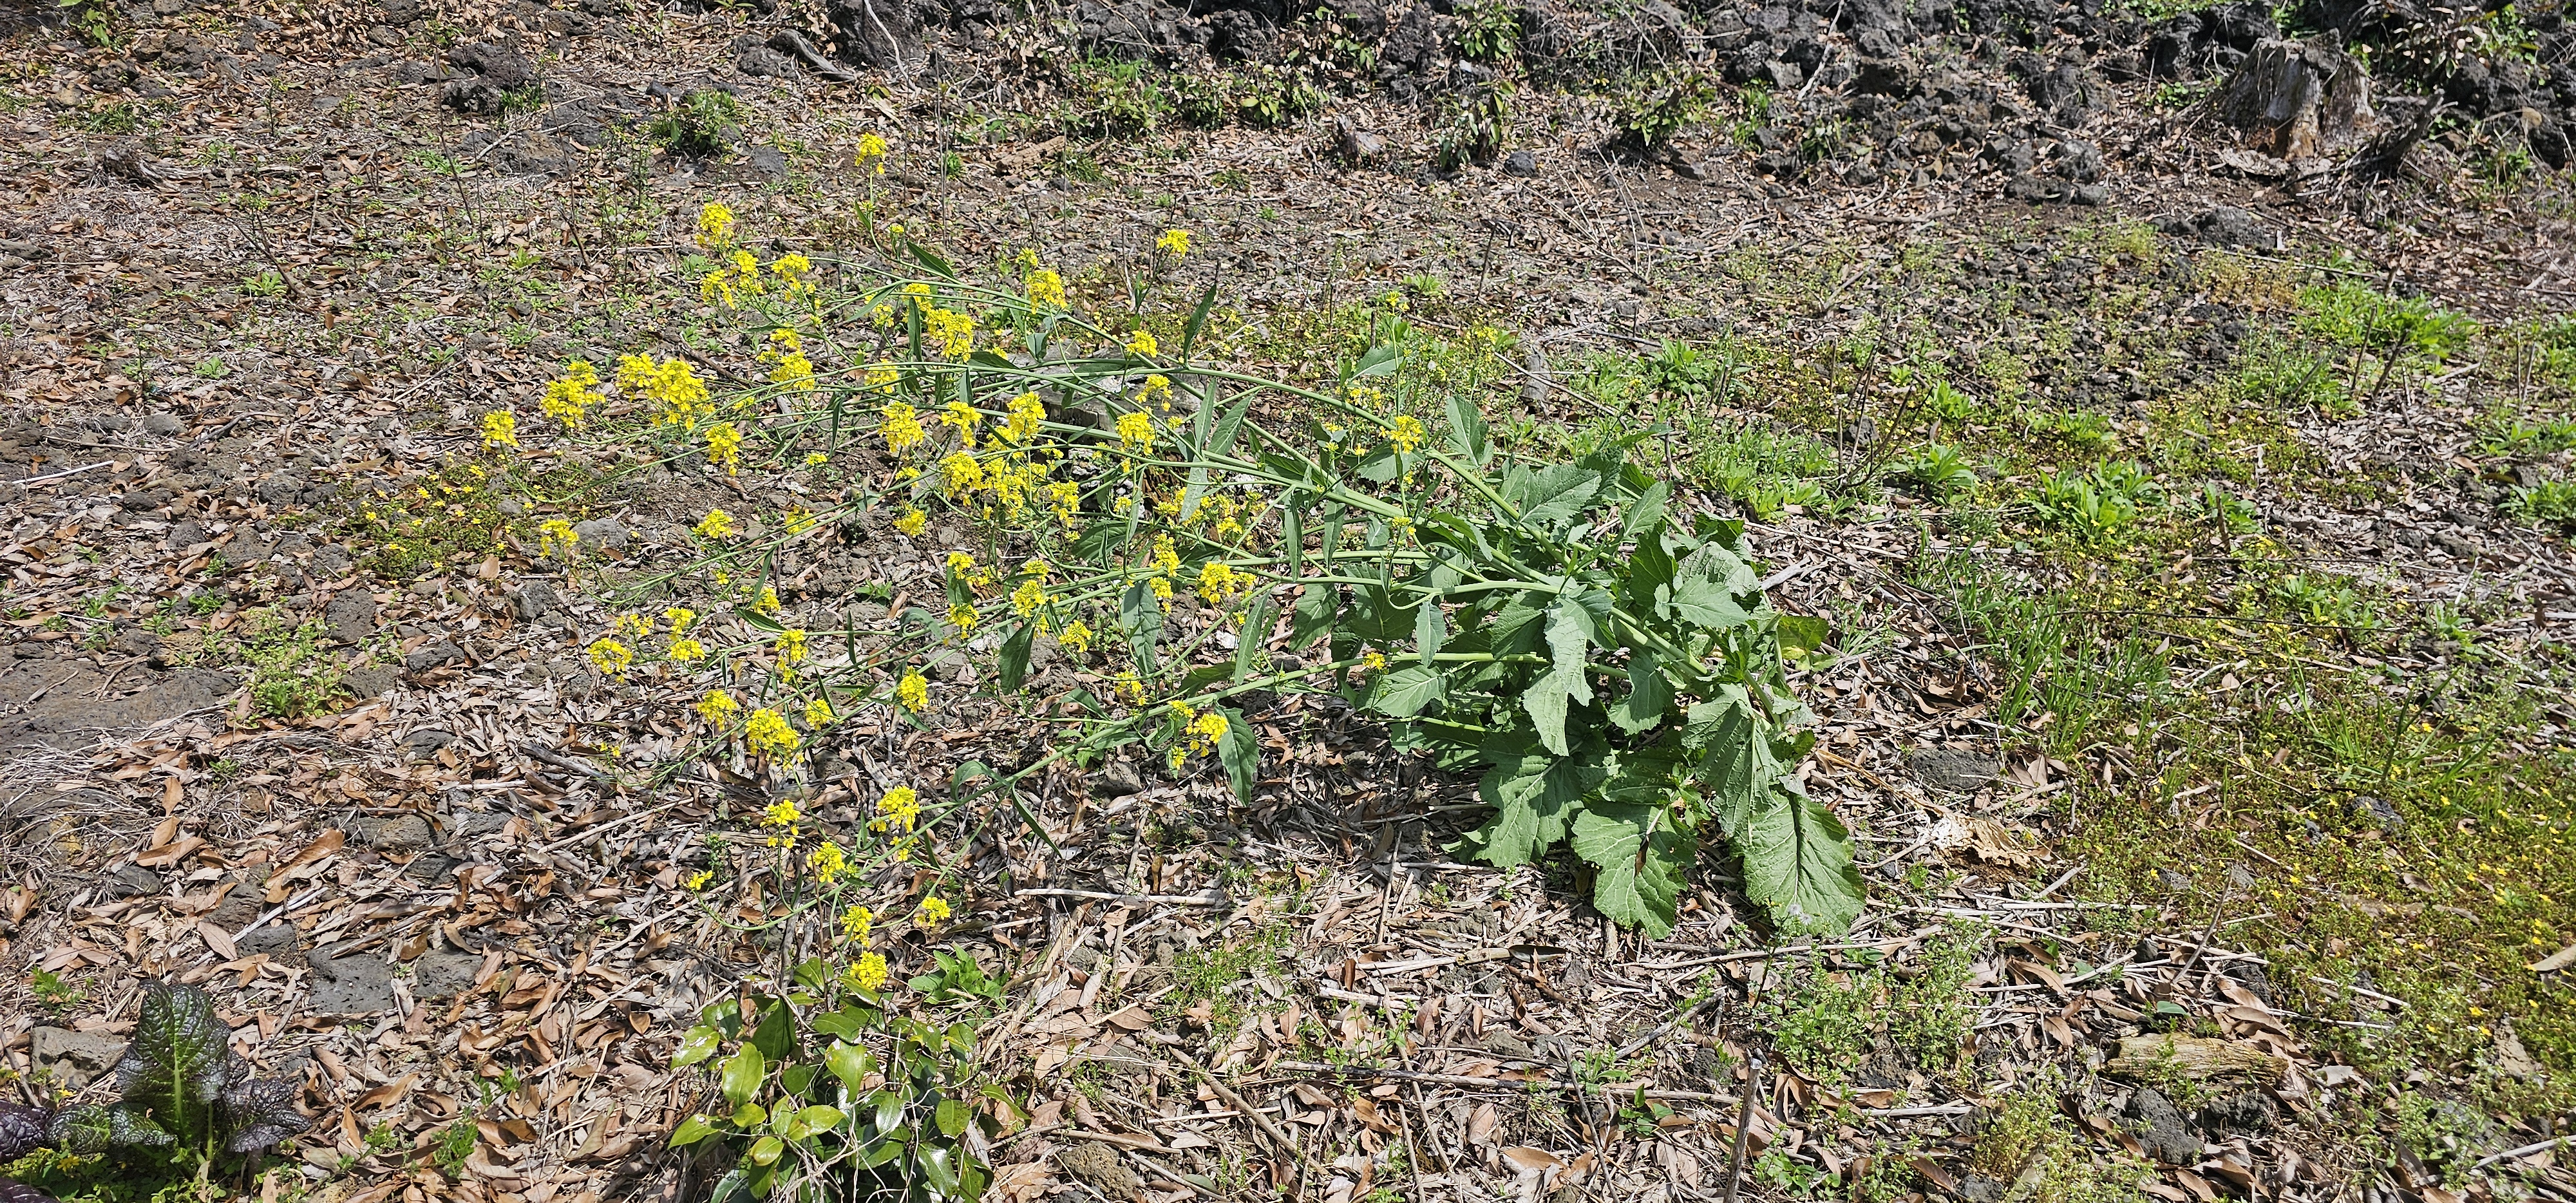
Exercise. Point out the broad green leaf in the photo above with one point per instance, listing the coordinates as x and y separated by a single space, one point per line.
938 1167
1798 863
1736 770
1240 752
742 1074
750 1115
1640 861
1645 516
1407 691
953 1116
766 1150
1802 632
845 1023
822 1117
697 1044
1379 361
1533 796
1553 496
691 1131
1313 617
1546 703
850 1063
1430 630
776 1035
1467 430
1648 695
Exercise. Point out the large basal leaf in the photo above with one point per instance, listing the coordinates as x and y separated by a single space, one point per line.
1554 495
1534 796
1546 701
22 1128
14 1191
255 1115
1798 863
178 1063
1647 697
83 1130
1638 860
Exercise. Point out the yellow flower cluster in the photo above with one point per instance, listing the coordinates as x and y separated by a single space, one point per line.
1046 289
1219 582
768 733
912 692
569 397
718 708
716 525
934 911
856 922
724 446
611 657
1141 343
500 429
898 810
1136 432
1174 242
737 277
1199 733
902 428
788 364
1076 637
828 863
868 973
1027 419
554 534
715 225
872 153
818 714
1406 434
682 398
911 522
950 331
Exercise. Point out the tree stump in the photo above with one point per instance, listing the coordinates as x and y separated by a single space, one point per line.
2299 100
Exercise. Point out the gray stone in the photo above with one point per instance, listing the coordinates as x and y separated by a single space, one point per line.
1099 1167
766 162
601 532
278 938
2161 1128
332 560
74 1059
1521 163
427 741
434 655
761 60
533 600
1120 779
358 984
1950 771
127 881
370 682
470 824
351 615
1358 145
2245 1111
164 424
2379 813
184 535
397 833
1503 1043
442 972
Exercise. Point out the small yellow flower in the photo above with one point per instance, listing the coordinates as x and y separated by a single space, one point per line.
716 525
1141 343
500 429
934 911
960 564
679 617
816 459
718 708
1026 599
1406 434
768 734
913 692
611 657
868 973
910 523
568 399
686 651
699 879
1219 582
818 714
1371 661
828 862
1208 728
961 616
1127 686
724 446
1076 637
781 813
899 809
902 428
791 644
1046 289
1176 243
856 922
1136 432
960 473
767 602
872 153
1027 418
556 533
715 225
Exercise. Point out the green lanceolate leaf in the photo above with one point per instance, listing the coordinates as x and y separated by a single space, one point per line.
1140 616
1639 860
1313 617
1798 863
776 1035
1257 621
1197 322
1013 663
691 1131
1430 630
1645 515
1239 750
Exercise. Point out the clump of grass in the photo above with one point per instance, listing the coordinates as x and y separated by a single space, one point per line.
2029 1138
1825 1022
291 676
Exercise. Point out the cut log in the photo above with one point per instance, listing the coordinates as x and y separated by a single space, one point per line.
2155 1055
2299 100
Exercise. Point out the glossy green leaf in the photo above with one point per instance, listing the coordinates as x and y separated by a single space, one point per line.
822 1117
776 1035
850 1063
766 1150
953 1116
691 1131
742 1074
